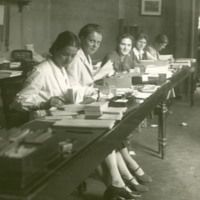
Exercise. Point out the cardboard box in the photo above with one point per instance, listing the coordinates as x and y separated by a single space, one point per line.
118 81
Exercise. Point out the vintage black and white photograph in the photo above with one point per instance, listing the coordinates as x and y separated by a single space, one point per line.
99 99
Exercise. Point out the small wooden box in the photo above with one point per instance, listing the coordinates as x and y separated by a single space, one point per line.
50 148
16 173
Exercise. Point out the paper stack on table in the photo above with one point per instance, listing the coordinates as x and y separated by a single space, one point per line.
63 113
95 108
9 73
74 107
85 123
115 110
111 116
183 62
142 95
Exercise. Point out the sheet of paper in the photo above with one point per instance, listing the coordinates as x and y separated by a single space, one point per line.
111 116
157 69
142 95
86 123
107 69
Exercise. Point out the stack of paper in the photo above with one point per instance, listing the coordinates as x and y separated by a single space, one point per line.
9 73
55 118
148 88
142 95
74 107
111 116
186 59
83 123
115 110
63 113
185 62
157 69
95 108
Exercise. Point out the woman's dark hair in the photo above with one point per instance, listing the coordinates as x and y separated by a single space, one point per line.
64 39
141 36
122 36
159 39
90 28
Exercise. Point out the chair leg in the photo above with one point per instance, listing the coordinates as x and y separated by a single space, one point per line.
144 123
139 128
82 187
152 114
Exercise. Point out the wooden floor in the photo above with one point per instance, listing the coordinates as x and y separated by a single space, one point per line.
178 176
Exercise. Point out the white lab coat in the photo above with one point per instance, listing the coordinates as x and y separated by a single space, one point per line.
80 70
44 82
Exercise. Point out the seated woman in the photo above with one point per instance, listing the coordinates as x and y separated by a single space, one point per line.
48 84
139 51
161 41
120 57
80 72
122 61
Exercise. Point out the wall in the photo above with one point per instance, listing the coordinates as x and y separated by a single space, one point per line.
30 26
153 25
74 14
42 20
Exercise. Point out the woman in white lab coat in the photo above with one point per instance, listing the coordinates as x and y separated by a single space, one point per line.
48 84
80 72
80 69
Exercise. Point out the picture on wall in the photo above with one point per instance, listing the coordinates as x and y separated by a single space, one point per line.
151 7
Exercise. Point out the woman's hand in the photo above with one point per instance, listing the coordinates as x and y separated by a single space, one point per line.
55 101
16 106
104 89
123 67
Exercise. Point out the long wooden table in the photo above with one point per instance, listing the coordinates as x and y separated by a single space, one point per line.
66 174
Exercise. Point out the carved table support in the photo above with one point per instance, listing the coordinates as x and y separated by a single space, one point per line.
162 110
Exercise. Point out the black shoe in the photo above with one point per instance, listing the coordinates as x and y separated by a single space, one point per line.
119 193
142 178
136 187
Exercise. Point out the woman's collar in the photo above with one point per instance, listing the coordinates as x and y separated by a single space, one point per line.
138 52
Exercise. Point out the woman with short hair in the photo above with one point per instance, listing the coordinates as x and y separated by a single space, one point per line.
161 41
48 84
120 57
139 52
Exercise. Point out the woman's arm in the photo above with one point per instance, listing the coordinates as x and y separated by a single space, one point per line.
27 98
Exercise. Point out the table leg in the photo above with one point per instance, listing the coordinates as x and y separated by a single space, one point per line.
193 84
162 128
159 130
